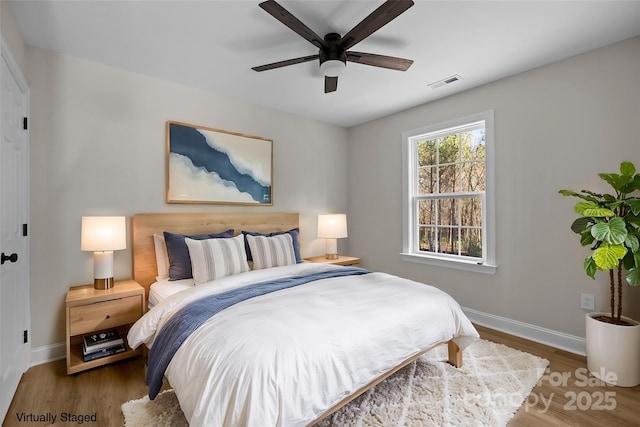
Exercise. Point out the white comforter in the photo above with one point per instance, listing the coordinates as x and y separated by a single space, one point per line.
284 358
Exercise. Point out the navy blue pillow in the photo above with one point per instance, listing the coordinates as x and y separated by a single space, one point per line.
294 237
178 252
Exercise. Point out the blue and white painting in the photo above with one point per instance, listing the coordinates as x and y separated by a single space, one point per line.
214 166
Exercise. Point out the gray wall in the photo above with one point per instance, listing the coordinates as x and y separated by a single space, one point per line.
98 148
556 127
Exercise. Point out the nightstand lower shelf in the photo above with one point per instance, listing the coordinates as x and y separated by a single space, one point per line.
76 363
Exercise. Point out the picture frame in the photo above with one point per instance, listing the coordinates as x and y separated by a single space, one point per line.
208 165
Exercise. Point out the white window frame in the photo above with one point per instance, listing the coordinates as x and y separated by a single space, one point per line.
410 246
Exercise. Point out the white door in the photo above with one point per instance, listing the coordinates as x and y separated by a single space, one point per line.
14 240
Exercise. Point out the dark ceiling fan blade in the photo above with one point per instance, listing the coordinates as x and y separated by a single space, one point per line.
285 63
383 61
284 16
386 13
330 84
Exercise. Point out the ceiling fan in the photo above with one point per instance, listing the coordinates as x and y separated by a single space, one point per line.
334 49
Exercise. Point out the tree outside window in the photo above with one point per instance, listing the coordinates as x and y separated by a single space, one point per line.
447 184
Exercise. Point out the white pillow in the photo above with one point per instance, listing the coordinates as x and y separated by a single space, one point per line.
272 251
215 258
162 259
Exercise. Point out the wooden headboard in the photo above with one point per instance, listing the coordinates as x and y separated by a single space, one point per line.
144 226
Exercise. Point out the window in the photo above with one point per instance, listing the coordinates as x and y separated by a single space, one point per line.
448 194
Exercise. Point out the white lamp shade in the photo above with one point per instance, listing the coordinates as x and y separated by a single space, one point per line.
333 226
103 233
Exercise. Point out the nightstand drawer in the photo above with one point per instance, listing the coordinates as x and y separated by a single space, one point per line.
104 315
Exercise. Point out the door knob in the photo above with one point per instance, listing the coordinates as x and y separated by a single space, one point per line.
11 258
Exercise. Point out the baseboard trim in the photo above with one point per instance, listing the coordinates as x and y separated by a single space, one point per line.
47 353
570 343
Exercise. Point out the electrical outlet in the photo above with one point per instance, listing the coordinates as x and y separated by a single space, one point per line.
588 301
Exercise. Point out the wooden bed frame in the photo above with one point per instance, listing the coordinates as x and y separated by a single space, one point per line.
144 226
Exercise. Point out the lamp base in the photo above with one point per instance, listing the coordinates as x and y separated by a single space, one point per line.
331 251
103 270
106 283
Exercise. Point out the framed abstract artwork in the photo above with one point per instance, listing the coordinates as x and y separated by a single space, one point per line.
206 165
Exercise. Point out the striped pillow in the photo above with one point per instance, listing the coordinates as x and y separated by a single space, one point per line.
216 258
162 258
271 251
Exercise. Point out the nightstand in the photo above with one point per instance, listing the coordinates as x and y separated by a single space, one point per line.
90 310
342 260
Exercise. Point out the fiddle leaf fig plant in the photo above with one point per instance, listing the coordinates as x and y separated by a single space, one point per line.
610 224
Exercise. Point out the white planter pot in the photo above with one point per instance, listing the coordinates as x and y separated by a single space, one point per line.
613 350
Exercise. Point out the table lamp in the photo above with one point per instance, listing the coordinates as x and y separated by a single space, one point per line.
332 227
102 235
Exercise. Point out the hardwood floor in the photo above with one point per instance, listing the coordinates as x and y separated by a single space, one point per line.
47 389
566 395
576 401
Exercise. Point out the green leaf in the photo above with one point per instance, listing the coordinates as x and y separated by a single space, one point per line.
574 194
634 204
625 180
590 267
627 168
628 262
632 261
616 181
608 257
633 219
633 276
596 196
582 206
598 212
615 204
586 238
634 185
580 224
631 241
612 233
611 178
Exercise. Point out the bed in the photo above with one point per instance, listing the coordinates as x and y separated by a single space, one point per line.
297 352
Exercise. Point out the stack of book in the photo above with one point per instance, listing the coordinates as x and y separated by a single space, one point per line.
102 344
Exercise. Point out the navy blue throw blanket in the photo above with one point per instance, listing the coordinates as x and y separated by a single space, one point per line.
190 317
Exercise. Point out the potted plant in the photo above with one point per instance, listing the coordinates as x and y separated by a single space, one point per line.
610 225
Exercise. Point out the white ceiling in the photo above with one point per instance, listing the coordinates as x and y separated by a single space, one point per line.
212 45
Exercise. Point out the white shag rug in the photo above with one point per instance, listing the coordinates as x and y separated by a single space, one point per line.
492 384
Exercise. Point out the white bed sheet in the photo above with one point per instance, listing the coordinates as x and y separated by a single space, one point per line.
283 359
164 288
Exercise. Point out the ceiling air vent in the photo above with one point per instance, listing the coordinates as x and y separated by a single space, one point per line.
444 82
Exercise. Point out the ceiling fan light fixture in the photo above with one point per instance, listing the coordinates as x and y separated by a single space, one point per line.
332 67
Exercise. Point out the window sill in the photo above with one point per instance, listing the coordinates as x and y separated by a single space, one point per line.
449 263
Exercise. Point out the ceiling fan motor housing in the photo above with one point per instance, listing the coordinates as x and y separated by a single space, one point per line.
333 52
